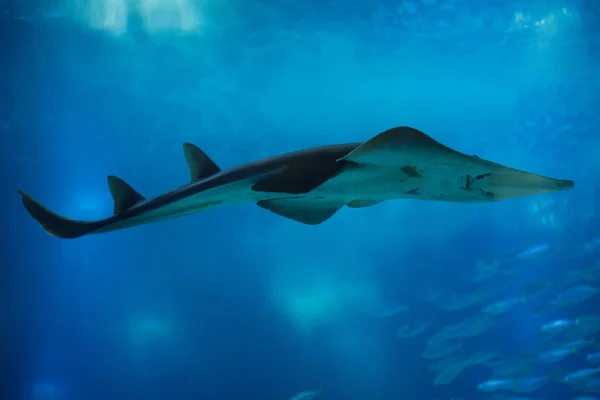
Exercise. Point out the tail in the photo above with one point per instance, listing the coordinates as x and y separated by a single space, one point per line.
55 224
124 197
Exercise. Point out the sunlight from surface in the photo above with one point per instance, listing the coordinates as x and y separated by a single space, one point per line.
548 24
46 390
156 16
319 299
88 204
149 331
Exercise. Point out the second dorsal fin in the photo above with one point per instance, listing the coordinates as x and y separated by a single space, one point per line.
200 165
124 196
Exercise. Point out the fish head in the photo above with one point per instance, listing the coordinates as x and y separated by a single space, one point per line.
489 181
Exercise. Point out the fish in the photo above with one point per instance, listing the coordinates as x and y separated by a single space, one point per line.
483 271
579 344
387 309
520 385
554 355
310 186
593 357
557 326
592 385
450 369
436 350
414 329
533 252
576 295
493 385
306 395
503 306
526 385
458 301
511 368
471 327
447 375
581 375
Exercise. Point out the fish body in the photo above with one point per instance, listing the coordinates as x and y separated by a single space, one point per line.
503 306
593 357
557 326
311 185
532 252
581 375
554 355
306 395
576 295
410 331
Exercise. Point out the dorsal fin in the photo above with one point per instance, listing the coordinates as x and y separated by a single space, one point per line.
124 196
200 165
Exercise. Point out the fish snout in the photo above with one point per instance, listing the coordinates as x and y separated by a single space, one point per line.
505 183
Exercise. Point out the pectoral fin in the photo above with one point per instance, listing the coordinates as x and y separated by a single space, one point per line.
402 146
311 212
363 203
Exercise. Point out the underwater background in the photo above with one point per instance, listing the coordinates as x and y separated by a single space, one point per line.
239 303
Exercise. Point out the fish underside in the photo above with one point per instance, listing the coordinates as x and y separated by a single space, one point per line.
311 185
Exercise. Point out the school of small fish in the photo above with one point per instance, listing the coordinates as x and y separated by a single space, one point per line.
565 331
560 307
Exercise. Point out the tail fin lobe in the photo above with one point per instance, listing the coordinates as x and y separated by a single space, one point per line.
54 224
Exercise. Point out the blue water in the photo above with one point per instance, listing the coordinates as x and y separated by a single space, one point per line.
237 302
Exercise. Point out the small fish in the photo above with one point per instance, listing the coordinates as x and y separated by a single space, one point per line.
554 355
526 385
448 375
448 370
576 295
503 306
593 357
510 369
557 326
494 385
483 271
440 350
536 287
410 331
533 252
588 325
588 320
581 375
306 395
576 345
578 276
388 309
590 246
468 328
590 385
458 301
430 295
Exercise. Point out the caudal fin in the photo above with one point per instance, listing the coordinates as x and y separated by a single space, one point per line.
55 224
